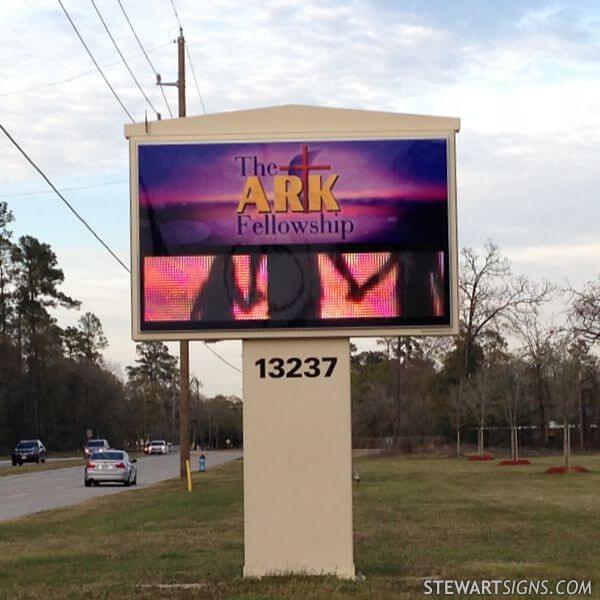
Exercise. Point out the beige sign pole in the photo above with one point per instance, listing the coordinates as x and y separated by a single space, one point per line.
297 458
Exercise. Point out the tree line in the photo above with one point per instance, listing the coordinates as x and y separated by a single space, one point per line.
510 377
54 382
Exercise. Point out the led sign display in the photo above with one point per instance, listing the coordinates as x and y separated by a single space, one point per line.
295 235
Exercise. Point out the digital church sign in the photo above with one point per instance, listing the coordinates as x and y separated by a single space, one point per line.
298 235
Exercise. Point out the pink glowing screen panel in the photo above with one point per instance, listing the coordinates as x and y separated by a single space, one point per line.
324 286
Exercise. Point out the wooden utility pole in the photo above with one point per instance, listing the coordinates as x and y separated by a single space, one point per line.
184 345
184 406
181 73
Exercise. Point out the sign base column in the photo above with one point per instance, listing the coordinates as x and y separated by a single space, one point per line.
297 458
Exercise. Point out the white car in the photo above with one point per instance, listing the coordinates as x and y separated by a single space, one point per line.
158 447
92 446
112 466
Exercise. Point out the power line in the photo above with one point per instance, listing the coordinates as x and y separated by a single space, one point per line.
187 50
69 206
82 74
221 358
146 55
195 80
69 189
176 15
112 39
136 36
88 226
94 61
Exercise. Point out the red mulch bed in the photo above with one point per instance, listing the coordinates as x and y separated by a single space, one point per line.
562 470
476 457
514 463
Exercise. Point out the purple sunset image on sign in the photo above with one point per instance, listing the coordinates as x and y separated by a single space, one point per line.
197 196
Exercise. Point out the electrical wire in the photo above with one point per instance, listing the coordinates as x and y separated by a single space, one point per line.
176 15
89 227
112 39
69 189
195 80
187 51
221 358
225 361
69 206
94 61
146 55
83 74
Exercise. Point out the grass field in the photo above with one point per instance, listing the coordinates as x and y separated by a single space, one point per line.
414 518
35 467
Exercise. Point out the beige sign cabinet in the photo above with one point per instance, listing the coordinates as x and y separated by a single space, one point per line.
297 427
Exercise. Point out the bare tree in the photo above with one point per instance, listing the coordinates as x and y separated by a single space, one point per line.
490 295
457 406
536 350
479 397
511 382
585 365
407 350
565 386
388 344
585 311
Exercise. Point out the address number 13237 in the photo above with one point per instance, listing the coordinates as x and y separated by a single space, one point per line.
295 367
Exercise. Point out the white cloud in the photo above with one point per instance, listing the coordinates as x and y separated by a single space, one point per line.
580 260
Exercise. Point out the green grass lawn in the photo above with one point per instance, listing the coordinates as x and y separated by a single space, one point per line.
413 518
52 455
34 467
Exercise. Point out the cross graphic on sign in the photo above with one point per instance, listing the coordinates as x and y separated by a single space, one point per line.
305 168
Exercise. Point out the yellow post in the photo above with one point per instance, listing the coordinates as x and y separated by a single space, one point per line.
189 475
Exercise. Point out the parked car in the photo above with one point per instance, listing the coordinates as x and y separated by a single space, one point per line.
158 447
99 445
110 466
28 451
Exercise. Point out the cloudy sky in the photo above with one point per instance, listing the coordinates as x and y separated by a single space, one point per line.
524 77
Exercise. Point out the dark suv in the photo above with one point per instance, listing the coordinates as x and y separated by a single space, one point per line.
28 451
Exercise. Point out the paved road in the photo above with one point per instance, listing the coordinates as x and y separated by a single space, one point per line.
33 492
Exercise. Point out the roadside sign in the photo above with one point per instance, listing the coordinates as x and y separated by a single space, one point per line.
301 227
